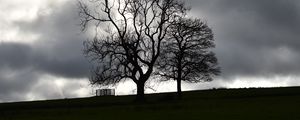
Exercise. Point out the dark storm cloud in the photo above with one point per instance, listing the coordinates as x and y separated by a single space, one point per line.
254 37
14 55
18 56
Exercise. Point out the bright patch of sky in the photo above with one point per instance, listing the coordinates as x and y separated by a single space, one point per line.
14 12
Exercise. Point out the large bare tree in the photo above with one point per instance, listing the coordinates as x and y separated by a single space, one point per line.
130 49
187 55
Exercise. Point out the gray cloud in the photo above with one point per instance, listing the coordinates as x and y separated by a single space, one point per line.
14 85
254 38
57 52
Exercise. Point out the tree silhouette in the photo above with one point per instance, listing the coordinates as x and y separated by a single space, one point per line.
187 55
130 49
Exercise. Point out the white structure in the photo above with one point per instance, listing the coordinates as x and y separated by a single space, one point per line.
105 92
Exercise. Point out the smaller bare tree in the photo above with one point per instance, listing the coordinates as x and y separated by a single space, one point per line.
187 55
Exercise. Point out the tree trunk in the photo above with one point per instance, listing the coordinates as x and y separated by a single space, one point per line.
140 97
179 77
179 93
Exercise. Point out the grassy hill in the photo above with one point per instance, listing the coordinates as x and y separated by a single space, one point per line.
222 104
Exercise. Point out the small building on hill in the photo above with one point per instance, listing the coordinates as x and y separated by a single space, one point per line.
105 92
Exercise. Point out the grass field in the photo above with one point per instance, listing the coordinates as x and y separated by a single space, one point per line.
222 104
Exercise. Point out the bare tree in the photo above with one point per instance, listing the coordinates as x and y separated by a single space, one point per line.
131 48
187 56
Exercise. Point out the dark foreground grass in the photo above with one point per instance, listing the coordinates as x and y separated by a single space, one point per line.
230 104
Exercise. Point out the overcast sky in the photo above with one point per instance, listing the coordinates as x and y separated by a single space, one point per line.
41 57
